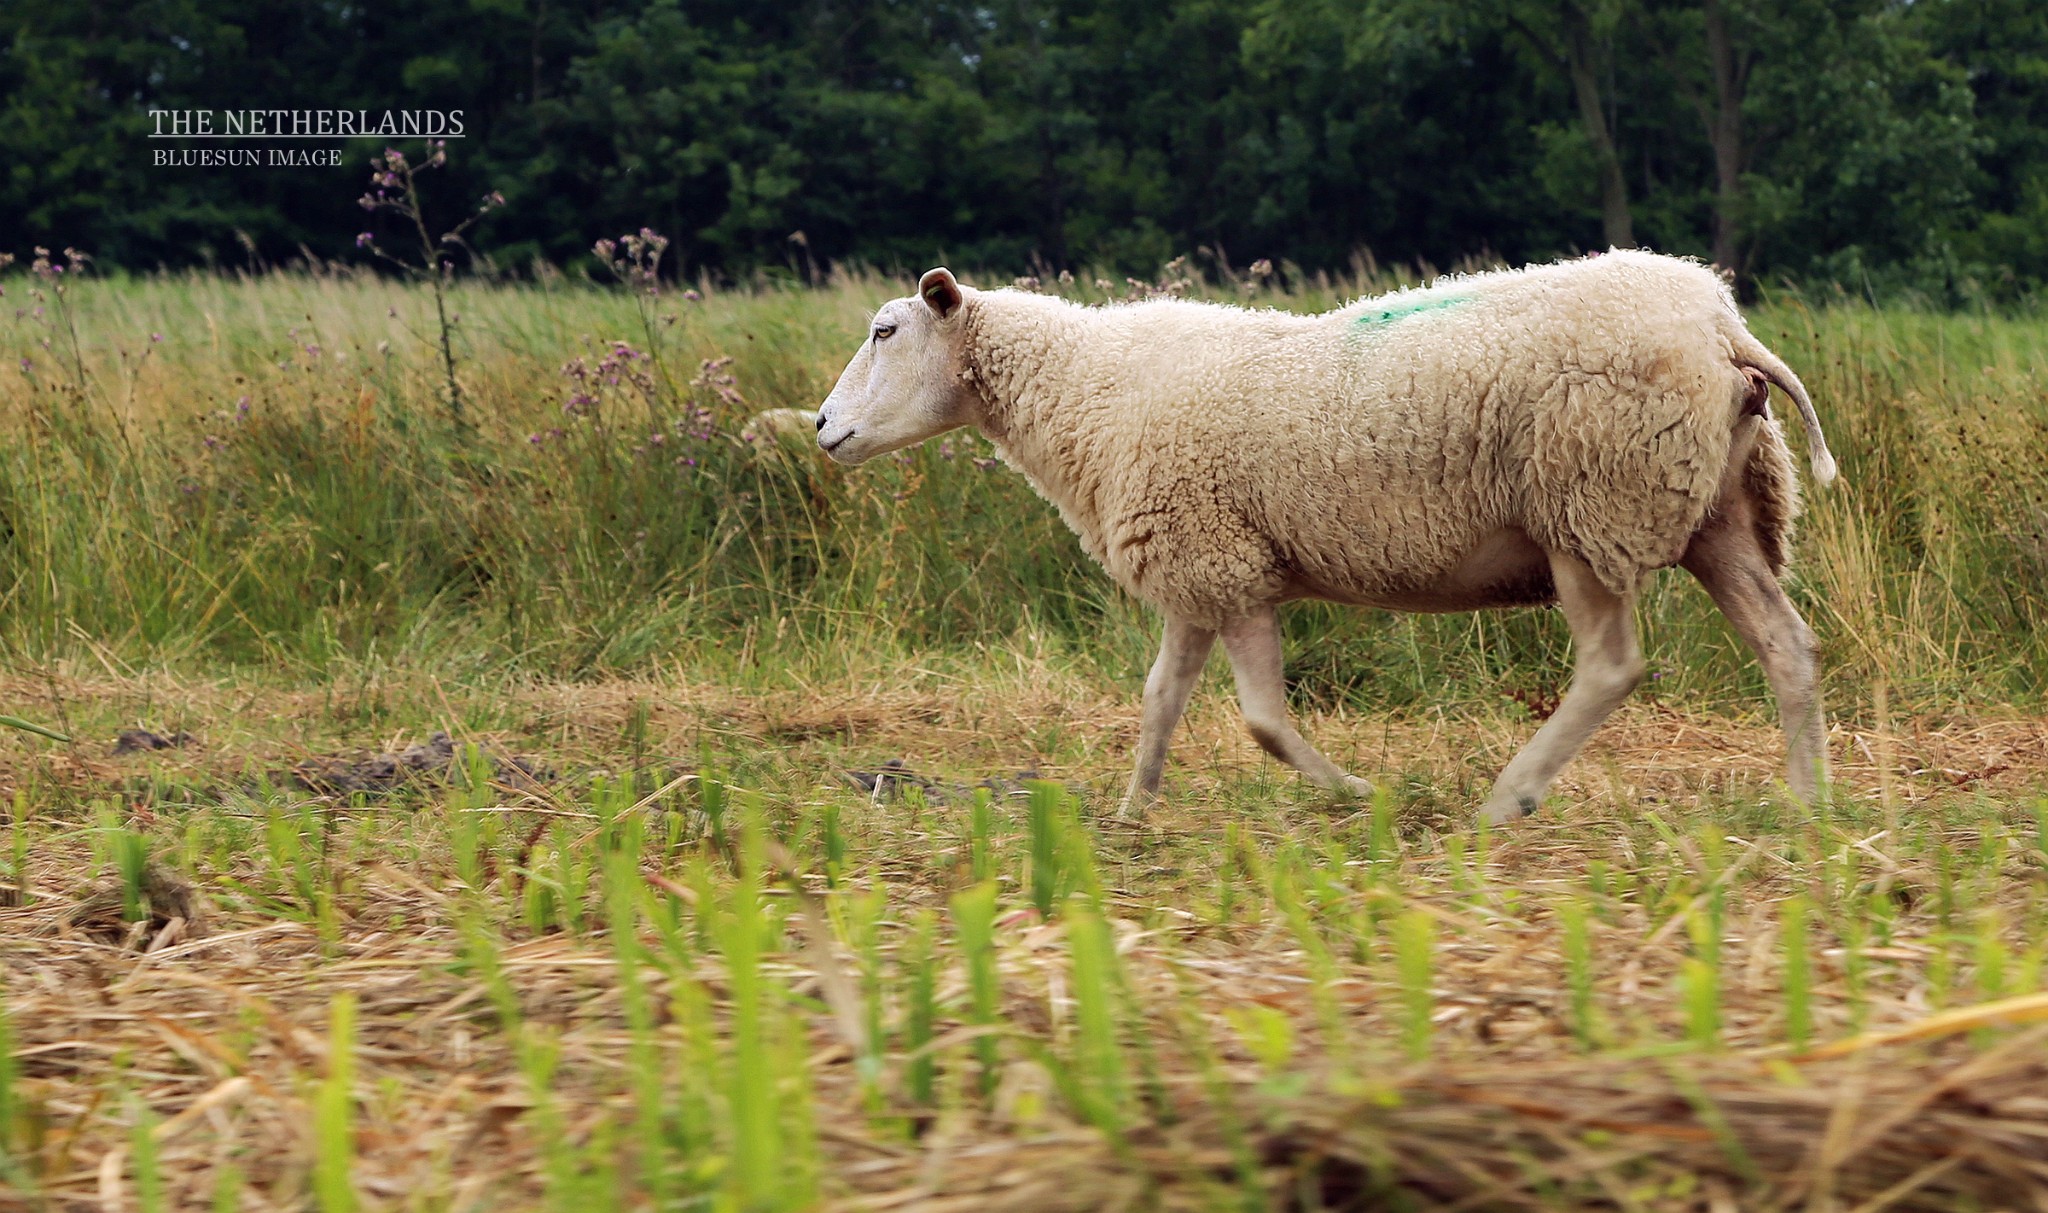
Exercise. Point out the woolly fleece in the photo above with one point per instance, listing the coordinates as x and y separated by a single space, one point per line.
1216 459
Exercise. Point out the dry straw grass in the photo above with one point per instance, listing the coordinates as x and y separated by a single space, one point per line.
1261 1057
220 1034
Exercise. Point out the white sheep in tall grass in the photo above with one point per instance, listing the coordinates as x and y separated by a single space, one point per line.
1551 434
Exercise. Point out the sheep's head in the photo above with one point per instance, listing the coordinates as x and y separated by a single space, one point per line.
904 384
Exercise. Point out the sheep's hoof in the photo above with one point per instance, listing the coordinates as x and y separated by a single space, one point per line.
1354 788
1134 805
1500 810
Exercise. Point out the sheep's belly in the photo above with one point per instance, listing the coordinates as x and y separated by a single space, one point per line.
1504 569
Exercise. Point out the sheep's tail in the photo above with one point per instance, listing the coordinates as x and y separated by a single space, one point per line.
1752 353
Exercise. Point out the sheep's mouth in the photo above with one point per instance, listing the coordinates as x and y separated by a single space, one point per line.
836 443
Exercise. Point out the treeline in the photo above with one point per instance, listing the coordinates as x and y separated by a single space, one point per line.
1876 143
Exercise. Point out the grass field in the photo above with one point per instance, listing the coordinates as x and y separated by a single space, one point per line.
661 925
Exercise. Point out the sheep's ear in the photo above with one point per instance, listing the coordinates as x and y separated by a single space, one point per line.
939 291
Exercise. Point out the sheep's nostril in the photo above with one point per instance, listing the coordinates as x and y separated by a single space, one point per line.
821 421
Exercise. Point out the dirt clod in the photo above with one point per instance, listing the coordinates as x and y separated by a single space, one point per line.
140 741
386 772
170 907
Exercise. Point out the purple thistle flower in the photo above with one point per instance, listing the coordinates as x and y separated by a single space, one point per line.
363 240
26 365
154 338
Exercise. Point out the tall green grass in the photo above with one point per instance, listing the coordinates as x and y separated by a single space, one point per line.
13 1137
273 485
334 1114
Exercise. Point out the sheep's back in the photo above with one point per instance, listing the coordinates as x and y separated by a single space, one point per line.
1587 404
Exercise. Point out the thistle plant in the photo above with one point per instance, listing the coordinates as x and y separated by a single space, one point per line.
635 261
599 388
394 187
49 305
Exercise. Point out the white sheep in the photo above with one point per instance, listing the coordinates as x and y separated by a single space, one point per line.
1530 436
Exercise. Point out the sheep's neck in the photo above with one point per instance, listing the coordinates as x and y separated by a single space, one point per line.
1020 359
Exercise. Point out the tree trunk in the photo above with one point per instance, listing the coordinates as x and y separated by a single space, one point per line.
1616 223
1724 132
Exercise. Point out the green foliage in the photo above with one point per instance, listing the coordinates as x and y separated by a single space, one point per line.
149 1178
1578 961
1415 970
11 1112
334 1113
1097 1075
1882 144
756 1176
974 912
923 1067
1797 966
1049 827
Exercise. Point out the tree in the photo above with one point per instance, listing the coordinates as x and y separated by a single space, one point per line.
1874 140
1577 41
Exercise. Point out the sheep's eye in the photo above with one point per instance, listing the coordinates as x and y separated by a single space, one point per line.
883 331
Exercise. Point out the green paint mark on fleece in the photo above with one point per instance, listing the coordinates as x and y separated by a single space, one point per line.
1394 308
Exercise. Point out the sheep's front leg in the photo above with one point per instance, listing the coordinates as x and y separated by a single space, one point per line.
1609 665
1182 653
1253 643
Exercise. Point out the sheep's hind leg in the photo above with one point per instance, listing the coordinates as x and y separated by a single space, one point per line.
1182 652
1253 643
1731 565
1609 665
